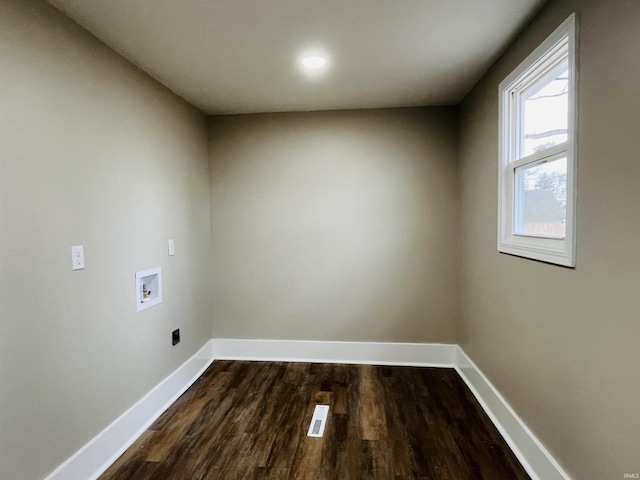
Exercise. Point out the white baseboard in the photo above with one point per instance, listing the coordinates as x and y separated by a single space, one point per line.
95 457
533 456
372 353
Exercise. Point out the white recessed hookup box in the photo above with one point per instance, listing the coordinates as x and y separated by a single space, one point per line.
148 288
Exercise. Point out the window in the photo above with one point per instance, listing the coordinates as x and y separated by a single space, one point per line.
537 172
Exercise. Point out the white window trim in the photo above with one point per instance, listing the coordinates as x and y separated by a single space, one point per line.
551 250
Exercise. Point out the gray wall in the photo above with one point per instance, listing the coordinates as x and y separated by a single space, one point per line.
335 225
92 152
332 225
562 344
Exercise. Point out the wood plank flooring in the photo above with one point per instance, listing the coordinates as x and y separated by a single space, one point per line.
249 420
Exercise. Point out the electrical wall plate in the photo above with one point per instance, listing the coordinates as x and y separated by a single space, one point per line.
148 288
77 257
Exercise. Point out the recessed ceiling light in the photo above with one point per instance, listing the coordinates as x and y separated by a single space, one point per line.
314 62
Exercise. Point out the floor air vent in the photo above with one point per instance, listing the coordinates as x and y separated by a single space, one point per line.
319 420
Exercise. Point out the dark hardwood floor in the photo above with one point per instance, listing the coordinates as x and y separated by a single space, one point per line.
249 420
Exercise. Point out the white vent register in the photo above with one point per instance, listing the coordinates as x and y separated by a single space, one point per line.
319 420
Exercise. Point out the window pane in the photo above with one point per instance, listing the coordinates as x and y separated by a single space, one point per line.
541 199
545 107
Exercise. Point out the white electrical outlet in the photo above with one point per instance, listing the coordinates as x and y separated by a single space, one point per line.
77 257
172 247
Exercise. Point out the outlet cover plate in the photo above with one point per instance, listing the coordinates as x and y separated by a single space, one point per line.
77 257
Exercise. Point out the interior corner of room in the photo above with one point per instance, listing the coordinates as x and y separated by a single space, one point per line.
145 235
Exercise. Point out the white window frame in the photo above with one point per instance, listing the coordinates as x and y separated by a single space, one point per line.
560 251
